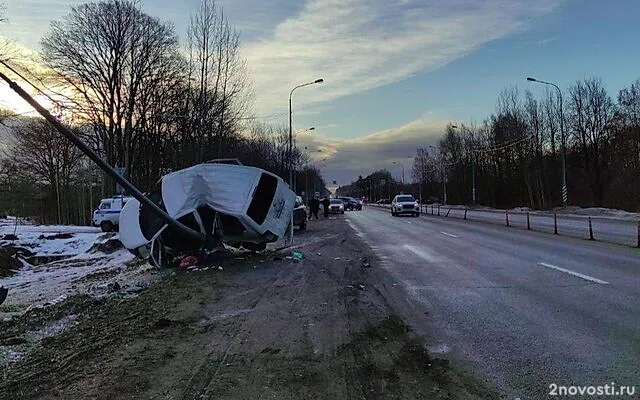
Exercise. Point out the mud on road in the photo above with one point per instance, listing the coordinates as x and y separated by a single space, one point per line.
263 327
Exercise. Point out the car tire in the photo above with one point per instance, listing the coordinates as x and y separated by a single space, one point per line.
106 226
303 226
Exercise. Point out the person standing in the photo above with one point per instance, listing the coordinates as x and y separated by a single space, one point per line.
325 204
314 207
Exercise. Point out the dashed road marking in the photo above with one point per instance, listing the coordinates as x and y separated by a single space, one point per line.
449 234
577 274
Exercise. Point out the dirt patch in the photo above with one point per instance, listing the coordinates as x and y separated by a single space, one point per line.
263 327
9 262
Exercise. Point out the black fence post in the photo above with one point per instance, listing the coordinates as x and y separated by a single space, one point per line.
555 224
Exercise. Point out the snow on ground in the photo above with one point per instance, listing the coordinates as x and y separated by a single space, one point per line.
34 238
82 270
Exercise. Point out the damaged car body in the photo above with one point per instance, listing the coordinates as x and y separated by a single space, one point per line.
234 205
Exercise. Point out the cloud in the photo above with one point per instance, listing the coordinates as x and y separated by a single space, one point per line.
358 45
343 160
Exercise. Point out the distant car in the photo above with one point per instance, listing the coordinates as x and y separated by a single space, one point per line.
350 203
382 201
404 204
336 206
300 214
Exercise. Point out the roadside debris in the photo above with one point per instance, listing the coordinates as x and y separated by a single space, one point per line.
10 236
365 262
187 262
297 256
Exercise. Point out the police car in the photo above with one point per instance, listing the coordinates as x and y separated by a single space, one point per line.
107 215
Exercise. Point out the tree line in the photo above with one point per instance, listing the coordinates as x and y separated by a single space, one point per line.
147 103
515 155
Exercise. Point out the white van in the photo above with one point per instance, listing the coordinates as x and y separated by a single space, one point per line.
107 216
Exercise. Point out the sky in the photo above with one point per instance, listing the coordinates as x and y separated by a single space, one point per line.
395 71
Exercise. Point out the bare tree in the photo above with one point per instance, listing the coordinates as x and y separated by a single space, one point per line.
591 114
47 158
110 52
219 73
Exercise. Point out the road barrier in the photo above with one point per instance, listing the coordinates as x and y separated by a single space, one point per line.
603 229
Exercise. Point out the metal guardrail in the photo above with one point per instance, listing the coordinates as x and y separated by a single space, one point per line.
604 229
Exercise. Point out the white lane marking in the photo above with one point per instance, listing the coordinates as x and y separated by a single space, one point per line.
448 234
579 275
420 253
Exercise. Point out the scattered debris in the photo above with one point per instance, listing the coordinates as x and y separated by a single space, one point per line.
277 258
337 258
365 262
188 262
361 287
10 236
297 256
318 253
220 267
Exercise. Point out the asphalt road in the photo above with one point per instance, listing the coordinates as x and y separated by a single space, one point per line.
620 231
530 309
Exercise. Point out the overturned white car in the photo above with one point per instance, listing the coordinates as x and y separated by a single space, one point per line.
236 205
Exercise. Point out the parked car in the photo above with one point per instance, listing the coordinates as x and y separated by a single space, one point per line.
336 206
350 203
404 204
107 215
300 214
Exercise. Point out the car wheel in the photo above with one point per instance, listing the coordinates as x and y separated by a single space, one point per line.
303 226
106 226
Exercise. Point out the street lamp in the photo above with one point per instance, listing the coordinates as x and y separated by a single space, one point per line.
565 194
291 129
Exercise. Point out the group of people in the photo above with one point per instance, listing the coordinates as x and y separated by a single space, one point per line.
314 206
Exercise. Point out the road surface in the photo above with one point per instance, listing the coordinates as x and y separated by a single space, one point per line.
620 231
528 308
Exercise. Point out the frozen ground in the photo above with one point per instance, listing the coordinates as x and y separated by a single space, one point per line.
65 261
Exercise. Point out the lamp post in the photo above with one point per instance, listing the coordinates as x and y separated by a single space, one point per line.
565 194
291 183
